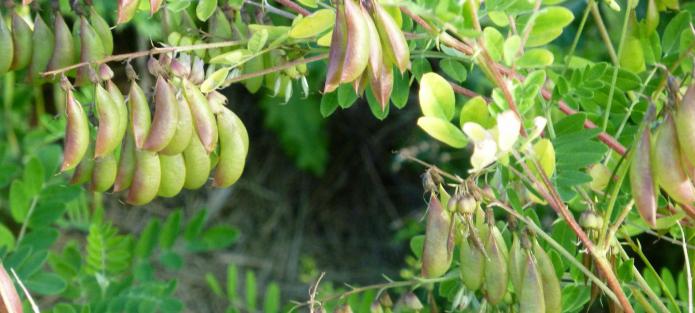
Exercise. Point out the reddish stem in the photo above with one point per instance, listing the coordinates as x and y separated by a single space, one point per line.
294 7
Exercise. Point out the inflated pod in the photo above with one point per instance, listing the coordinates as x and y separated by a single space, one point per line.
121 108
76 133
233 149
147 178
668 167
496 271
102 29
9 299
173 169
91 50
357 43
126 164
166 116
552 292
382 85
438 247
184 129
109 131
83 171
472 264
516 263
531 299
392 38
684 117
203 119
376 57
21 39
642 180
197 75
126 10
43 38
6 47
197 163
140 116
104 173
336 53
64 48
217 101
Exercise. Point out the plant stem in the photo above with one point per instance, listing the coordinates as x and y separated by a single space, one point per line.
616 65
575 41
688 272
294 7
603 31
278 68
643 283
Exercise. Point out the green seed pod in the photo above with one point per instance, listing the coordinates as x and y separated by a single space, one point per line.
438 247
166 116
64 50
392 38
472 266
102 29
121 108
21 39
140 116
496 271
126 164
590 220
104 174
83 171
516 263
336 54
197 164
6 47
146 179
126 10
203 119
184 129
382 85
233 149
108 132
173 175
552 292
76 133
91 50
642 179
683 117
42 37
667 164
376 57
357 47
531 299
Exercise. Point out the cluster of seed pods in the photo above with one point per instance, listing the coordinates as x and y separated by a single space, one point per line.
145 154
666 159
41 47
486 263
365 45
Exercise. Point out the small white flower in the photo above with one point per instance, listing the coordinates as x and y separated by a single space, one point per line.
485 150
508 126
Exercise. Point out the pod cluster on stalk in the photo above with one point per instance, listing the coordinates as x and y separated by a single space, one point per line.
144 153
486 264
40 46
365 46
666 160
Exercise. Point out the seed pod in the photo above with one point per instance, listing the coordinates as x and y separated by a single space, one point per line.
392 39
667 165
233 149
139 114
336 54
9 299
91 49
166 116
382 85
467 205
21 39
126 10
173 175
83 171
197 163
64 50
105 73
345 308
154 6
408 302
496 271
184 129
109 131
516 263
76 133
357 46
102 29
642 179
376 58
121 108
146 179
104 174
42 37
531 299
217 101
685 128
438 247
6 47
552 293
203 118
126 164
472 265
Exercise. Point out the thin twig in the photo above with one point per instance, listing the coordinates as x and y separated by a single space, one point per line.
278 68
294 7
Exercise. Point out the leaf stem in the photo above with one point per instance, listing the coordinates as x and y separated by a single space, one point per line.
616 67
